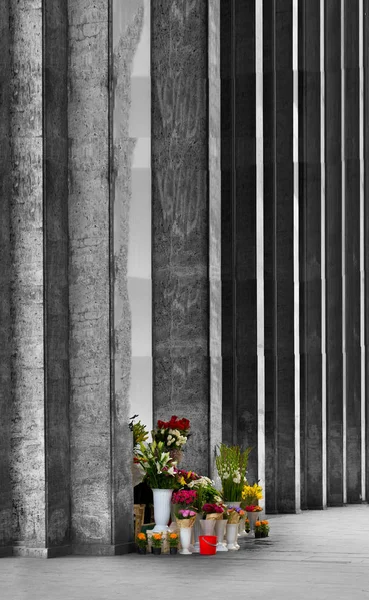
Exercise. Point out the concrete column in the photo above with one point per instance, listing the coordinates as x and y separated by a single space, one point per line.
39 315
366 223
334 253
180 200
281 258
5 277
101 444
312 423
352 288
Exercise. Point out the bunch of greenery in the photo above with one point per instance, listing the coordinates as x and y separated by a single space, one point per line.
232 463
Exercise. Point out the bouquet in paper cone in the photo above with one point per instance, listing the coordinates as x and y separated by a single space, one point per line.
212 512
235 514
185 518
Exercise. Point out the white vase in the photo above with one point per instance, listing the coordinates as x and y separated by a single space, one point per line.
220 527
196 532
253 517
162 505
241 528
231 534
185 537
207 526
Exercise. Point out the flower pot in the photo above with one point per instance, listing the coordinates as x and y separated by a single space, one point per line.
156 550
173 550
258 534
241 528
231 534
141 550
220 527
162 505
185 534
207 527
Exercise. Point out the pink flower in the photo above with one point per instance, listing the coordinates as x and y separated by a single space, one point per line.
187 513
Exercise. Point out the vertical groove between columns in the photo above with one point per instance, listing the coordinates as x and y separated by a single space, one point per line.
323 256
260 241
296 266
362 249
343 166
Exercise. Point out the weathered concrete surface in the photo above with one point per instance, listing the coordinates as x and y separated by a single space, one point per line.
310 555
88 207
57 493
27 310
5 275
179 73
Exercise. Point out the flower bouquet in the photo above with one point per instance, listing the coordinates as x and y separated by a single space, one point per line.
212 512
140 434
184 498
252 513
251 494
160 469
185 517
234 514
141 542
231 464
173 434
253 508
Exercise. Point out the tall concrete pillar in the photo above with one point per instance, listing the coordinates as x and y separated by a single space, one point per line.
5 277
352 245
39 462
282 400
313 419
333 95
180 201
365 159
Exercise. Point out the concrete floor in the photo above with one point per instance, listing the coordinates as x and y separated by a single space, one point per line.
314 555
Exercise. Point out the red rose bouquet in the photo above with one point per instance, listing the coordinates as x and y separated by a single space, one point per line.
173 433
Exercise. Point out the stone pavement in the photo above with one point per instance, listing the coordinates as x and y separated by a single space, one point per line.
316 555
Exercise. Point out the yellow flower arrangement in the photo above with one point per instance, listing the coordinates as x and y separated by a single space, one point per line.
251 494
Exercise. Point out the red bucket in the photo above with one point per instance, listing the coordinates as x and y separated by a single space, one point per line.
208 544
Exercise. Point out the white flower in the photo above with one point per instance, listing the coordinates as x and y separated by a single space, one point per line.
162 431
171 471
169 438
158 467
225 475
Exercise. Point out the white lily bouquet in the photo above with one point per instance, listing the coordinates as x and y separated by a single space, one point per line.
160 469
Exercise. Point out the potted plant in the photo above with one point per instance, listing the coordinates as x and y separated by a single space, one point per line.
234 515
231 464
247 526
211 512
173 543
185 519
265 529
156 542
206 493
141 542
258 529
253 513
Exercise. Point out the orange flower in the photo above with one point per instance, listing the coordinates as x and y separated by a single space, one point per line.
173 536
141 536
156 536
257 524
265 522
247 521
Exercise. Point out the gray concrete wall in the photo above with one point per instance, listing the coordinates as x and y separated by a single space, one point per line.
179 72
5 271
89 284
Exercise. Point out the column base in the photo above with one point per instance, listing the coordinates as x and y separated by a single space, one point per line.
6 551
75 549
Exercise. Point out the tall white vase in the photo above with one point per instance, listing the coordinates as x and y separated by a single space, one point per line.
253 517
220 527
162 505
231 535
241 528
196 532
207 527
185 537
